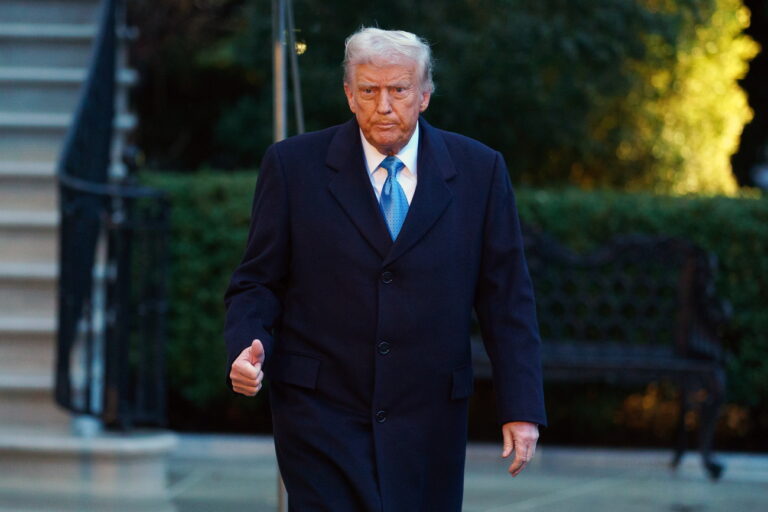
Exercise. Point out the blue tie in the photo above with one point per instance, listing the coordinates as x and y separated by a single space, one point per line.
394 204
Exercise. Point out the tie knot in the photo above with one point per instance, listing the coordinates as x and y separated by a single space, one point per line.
392 165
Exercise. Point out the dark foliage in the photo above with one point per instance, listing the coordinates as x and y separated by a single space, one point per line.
753 148
633 94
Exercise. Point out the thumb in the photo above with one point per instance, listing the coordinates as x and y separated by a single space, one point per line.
256 353
507 449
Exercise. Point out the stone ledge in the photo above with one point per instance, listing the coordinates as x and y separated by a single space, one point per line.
29 271
48 31
15 500
22 383
29 219
102 467
27 169
76 76
47 121
43 325
137 444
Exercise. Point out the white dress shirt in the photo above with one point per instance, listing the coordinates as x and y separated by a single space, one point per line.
407 175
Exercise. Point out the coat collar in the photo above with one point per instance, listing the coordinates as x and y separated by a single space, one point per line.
352 189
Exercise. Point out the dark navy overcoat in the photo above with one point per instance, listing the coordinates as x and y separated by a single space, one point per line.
367 340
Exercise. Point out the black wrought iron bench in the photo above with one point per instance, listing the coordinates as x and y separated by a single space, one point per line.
638 310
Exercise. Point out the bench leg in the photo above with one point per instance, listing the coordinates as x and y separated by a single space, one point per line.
710 411
682 437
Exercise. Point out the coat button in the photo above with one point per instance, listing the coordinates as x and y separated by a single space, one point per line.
381 416
387 276
384 348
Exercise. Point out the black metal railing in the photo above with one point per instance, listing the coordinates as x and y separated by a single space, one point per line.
112 265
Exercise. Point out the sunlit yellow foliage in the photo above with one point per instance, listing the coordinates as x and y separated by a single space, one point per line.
656 408
695 110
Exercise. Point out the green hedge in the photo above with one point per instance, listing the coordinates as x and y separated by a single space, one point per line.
209 223
211 214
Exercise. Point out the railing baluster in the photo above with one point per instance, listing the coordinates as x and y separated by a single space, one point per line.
94 209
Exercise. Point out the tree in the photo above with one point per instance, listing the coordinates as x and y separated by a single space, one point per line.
634 94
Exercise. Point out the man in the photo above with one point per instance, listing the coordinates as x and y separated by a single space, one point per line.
369 246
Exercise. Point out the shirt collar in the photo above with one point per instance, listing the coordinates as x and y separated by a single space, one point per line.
408 155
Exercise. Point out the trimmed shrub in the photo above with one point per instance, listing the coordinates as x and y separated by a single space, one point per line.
209 224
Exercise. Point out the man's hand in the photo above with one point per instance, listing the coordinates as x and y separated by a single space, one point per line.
520 437
246 374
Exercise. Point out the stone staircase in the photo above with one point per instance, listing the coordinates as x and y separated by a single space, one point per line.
45 48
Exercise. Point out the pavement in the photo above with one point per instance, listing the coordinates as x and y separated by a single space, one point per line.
216 473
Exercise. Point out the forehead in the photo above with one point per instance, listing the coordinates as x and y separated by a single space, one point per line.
385 71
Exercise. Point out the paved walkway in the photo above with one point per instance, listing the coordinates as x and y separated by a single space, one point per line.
238 474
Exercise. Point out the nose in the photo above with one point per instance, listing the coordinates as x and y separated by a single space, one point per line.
383 103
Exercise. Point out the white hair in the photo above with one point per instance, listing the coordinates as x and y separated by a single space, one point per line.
370 45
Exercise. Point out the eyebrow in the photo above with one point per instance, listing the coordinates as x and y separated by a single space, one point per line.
366 85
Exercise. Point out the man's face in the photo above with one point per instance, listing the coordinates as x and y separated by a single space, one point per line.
386 100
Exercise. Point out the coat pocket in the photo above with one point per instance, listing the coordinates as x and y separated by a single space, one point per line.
294 369
463 383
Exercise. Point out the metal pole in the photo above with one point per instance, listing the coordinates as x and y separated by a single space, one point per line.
280 132
296 82
282 496
278 68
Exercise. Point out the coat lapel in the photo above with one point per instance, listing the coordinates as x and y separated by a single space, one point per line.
432 194
352 188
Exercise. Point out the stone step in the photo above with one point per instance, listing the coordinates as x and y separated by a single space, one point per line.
46 44
47 90
63 75
22 190
28 290
28 350
101 471
28 236
42 170
27 345
47 31
30 144
54 121
49 11
39 137
39 97
27 383
29 402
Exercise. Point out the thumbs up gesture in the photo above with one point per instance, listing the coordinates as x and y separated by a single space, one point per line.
246 374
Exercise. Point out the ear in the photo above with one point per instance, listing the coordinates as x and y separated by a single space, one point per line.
350 97
425 96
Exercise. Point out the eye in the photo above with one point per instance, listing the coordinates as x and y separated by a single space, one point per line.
400 91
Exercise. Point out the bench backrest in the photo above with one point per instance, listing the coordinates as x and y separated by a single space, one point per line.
637 291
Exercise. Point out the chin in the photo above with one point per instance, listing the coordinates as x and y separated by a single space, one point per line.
388 142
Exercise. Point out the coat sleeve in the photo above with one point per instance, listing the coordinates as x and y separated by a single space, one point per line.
506 308
253 298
